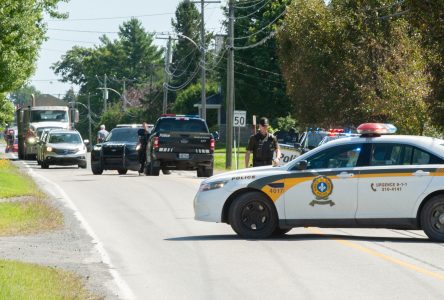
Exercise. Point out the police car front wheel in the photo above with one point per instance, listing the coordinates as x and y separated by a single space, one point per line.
253 216
432 218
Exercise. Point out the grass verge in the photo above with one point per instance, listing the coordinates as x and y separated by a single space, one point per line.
220 158
25 215
13 183
28 281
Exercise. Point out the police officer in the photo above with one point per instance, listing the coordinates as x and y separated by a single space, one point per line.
263 145
144 136
102 134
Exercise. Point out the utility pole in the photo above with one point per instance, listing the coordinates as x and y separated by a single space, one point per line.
230 86
202 61
203 110
105 94
123 94
89 119
167 67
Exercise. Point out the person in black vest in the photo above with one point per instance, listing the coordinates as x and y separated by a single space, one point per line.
144 136
263 145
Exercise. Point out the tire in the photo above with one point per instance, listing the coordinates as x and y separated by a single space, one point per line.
154 171
44 165
122 171
83 166
432 218
147 170
97 170
200 172
166 172
253 216
280 231
208 172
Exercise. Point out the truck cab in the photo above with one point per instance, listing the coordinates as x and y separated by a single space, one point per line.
32 119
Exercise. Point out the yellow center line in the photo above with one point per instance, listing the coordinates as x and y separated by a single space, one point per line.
382 256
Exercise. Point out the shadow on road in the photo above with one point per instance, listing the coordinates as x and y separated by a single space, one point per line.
306 237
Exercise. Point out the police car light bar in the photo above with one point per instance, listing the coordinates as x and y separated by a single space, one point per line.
376 129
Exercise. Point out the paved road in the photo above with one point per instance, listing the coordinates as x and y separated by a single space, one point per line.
146 227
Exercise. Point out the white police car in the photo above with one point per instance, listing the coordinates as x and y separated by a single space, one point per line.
374 180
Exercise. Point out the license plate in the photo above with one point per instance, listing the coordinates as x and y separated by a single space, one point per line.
184 155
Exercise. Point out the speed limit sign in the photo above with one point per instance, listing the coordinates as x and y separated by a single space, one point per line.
239 118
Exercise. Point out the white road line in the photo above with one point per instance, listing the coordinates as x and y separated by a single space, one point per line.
125 291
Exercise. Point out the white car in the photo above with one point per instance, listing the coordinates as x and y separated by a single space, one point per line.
63 147
373 181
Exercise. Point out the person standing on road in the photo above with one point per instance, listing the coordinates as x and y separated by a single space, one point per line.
263 145
144 136
102 134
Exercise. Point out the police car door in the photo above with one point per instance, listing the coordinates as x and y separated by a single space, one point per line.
327 189
392 183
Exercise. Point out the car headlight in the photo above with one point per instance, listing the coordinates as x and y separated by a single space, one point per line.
31 140
49 149
138 147
97 148
207 186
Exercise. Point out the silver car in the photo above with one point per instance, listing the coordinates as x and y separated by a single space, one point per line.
64 147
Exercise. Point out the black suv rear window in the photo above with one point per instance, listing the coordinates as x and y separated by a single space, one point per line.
181 125
123 135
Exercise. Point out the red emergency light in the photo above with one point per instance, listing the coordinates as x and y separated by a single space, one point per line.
376 129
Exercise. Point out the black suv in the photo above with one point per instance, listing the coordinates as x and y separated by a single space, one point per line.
118 152
180 143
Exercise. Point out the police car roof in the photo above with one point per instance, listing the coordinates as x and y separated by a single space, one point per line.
429 143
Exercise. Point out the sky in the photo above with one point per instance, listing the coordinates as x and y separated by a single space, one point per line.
90 19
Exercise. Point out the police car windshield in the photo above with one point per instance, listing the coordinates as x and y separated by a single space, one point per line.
70 138
128 135
181 125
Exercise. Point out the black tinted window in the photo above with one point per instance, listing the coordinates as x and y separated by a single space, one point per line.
397 154
344 156
181 125
70 138
128 135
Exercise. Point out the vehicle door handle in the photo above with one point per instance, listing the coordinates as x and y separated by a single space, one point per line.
421 173
345 175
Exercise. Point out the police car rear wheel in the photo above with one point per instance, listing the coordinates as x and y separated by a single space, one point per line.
252 215
432 218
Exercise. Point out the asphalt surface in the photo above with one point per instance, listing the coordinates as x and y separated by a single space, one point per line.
144 229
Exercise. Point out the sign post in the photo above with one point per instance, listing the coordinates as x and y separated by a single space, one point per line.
239 120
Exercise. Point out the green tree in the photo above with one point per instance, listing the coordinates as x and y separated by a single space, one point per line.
187 98
428 17
23 94
259 86
185 58
22 32
131 61
346 64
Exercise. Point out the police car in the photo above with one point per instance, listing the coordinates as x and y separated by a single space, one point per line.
376 180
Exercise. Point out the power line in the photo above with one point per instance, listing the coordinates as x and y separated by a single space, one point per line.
263 28
256 68
249 6
261 42
112 18
256 10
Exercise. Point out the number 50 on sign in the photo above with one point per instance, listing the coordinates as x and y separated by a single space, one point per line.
239 118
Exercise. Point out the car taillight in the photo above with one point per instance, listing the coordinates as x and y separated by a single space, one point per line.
156 142
212 144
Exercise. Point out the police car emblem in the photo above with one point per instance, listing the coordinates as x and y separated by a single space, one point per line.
322 187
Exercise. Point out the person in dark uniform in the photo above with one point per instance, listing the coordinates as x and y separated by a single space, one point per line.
144 136
263 145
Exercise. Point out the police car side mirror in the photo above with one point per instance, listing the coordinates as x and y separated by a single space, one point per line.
302 165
